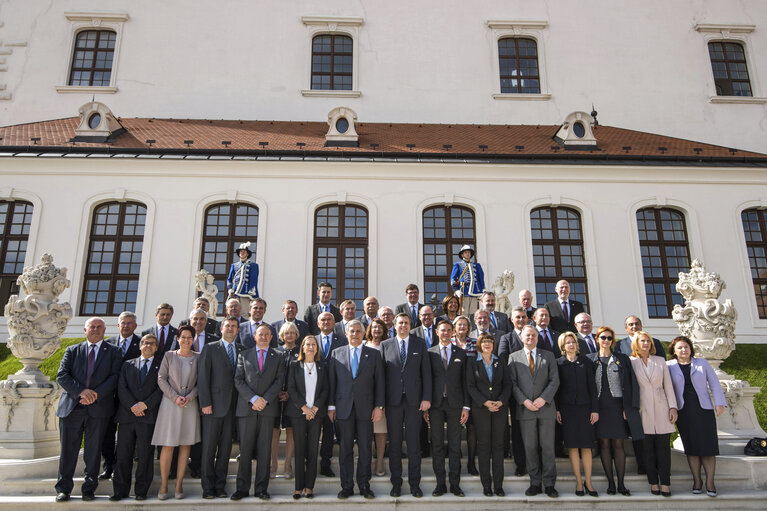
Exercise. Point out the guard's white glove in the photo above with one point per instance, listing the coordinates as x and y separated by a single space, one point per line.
458 293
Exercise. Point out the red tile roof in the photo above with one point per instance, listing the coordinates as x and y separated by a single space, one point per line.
428 140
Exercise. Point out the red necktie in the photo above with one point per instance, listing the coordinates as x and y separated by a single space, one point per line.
261 354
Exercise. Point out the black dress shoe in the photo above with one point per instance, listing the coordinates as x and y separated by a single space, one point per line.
345 494
106 474
532 491
438 491
487 492
457 491
195 474
297 495
367 493
416 492
580 493
396 491
327 472
140 497
115 498
611 489
520 471
472 470
592 493
238 495
208 495
666 493
309 495
264 495
624 491
550 491
221 494
87 497
654 492
62 497
499 492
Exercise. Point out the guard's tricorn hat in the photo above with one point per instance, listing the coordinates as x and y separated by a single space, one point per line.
244 246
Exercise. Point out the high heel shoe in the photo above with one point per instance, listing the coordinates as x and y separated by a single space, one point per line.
162 496
592 492
698 490
711 493
179 495
655 491
611 489
624 491
579 493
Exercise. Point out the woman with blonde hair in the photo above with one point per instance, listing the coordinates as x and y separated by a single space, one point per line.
288 336
374 336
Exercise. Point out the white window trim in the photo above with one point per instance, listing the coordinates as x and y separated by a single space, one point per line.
340 25
80 21
713 32
533 29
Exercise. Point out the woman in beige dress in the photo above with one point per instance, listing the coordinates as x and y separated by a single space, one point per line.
658 409
178 421
374 336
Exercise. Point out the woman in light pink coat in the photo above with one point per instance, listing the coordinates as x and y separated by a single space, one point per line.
658 409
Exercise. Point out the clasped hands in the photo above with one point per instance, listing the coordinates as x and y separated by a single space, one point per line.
309 412
88 397
536 405
493 406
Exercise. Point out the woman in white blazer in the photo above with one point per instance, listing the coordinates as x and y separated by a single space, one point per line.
657 407
692 379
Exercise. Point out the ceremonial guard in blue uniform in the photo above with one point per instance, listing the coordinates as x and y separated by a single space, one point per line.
242 282
467 280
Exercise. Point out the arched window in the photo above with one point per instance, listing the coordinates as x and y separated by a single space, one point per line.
558 253
728 62
92 58
518 64
332 62
755 229
227 225
665 252
341 251
445 230
15 219
114 259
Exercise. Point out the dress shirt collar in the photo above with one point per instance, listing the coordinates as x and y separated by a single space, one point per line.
148 360
533 351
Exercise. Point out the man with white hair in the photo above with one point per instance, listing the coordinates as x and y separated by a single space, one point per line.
563 310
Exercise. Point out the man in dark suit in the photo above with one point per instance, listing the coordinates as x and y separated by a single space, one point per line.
563 310
535 380
248 329
88 375
525 299
548 339
386 315
139 402
327 341
233 307
289 311
371 311
426 329
484 325
356 400
408 394
128 344
587 343
411 306
211 325
499 320
348 312
510 343
165 332
449 406
258 380
218 399
312 313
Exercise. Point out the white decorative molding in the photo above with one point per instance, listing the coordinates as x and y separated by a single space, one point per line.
15 43
531 29
91 16
724 27
517 24
331 93
342 25
85 89
522 97
738 100
348 21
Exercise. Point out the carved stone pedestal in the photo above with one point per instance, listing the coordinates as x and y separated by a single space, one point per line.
28 423
710 324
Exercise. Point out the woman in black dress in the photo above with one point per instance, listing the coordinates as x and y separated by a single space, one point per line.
618 401
577 409
693 379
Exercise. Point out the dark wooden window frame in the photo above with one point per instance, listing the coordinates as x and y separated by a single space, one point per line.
333 54
340 242
517 60
560 246
216 261
756 249
92 66
432 283
725 86
113 259
8 274
667 280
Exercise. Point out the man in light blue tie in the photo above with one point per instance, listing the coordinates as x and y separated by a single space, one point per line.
426 330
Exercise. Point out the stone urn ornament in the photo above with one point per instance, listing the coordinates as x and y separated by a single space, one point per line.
37 321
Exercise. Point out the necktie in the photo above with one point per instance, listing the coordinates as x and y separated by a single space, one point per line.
493 320
427 334
355 362
391 332
547 338
261 354
162 338
402 352
592 346
196 343
565 312
144 370
531 363
414 313
324 308
444 363
124 346
91 361
230 352
325 345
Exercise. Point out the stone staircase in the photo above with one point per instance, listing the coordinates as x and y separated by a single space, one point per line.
742 484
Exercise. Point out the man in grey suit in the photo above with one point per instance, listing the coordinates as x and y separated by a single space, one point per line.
327 341
499 320
312 313
535 380
484 325
248 328
218 398
411 306
408 394
426 329
348 312
258 380
356 400
289 311
587 343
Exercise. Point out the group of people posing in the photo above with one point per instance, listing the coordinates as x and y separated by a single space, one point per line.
535 383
